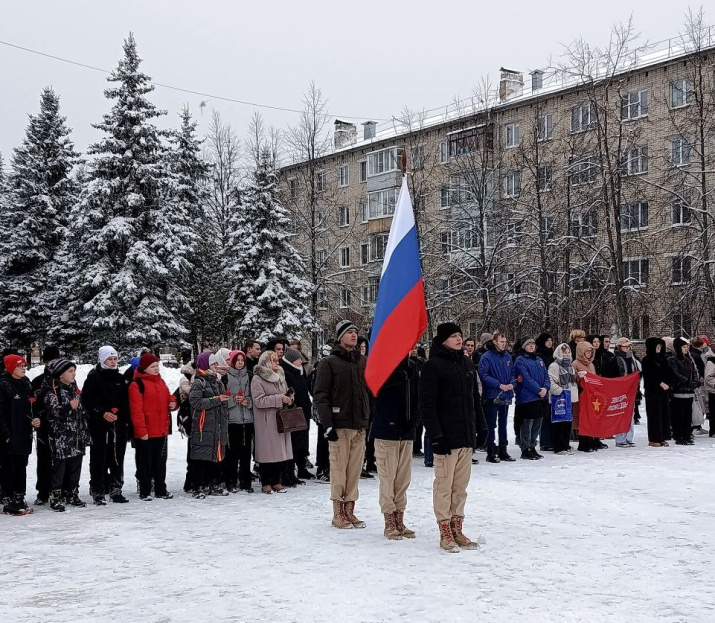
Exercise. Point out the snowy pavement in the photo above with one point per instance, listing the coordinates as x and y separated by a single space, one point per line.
622 535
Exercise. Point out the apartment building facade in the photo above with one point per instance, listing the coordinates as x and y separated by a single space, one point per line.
557 201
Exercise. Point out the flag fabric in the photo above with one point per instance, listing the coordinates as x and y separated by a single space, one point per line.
606 405
400 311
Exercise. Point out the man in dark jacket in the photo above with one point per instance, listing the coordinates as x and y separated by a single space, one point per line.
253 352
44 455
393 431
343 405
296 379
16 424
450 409
106 399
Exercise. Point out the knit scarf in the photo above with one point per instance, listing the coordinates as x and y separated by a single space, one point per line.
566 375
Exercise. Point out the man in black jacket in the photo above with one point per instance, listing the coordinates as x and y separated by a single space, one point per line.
450 406
341 398
44 455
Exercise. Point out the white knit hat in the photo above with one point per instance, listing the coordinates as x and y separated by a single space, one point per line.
105 352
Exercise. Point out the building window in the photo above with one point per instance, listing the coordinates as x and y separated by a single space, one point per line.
344 257
344 216
321 181
464 237
682 214
635 272
345 297
512 134
640 327
584 225
369 291
682 265
364 253
513 285
319 220
378 244
545 127
583 117
418 157
321 259
548 227
584 277
382 203
548 281
380 162
322 299
634 216
445 239
513 232
635 161
680 151
293 188
544 178
634 104
512 184
364 213
582 171
344 175
444 197
682 325
363 170
443 152
469 140
681 93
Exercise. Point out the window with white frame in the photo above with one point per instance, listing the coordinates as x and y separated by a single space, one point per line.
582 171
344 175
417 154
344 257
378 244
548 281
319 220
584 277
634 216
363 170
322 299
583 117
680 149
548 227
545 127
584 225
321 258
382 161
444 197
443 152
634 104
364 212
681 93
321 181
364 253
344 216
445 286
544 178
382 202
512 134
513 284
512 184
682 265
345 297
635 272
464 236
682 324
640 327
445 239
293 188
369 291
635 161
681 213
513 232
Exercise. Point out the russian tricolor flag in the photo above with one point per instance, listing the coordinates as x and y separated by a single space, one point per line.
400 311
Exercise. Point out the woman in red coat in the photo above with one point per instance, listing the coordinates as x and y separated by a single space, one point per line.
151 404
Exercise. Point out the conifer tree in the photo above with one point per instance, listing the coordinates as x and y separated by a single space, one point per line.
268 293
129 241
39 194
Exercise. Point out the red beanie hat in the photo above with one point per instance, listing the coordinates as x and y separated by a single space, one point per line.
12 361
146 360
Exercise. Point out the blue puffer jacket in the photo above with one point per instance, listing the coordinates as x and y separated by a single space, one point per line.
495 369
531 376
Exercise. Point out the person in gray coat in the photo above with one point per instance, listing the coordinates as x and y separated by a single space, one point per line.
237 465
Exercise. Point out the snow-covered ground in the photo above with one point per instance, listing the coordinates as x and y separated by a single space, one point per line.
622 535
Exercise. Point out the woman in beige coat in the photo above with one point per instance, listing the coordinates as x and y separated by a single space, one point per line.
268 390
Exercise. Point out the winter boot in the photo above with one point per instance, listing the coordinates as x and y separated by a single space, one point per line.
198 494
116 496
400 523
492 454
535 453
292 467
41 500
504 455
17 506
73 499
217 490
56 501
350 515
391 532
303 470
99 500
339 518
459 538
288 480
446 538
527 454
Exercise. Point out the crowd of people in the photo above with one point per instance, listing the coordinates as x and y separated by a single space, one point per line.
247 413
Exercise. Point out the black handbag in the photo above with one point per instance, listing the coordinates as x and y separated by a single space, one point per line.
291 420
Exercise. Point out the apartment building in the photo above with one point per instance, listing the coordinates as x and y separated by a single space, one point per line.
566 198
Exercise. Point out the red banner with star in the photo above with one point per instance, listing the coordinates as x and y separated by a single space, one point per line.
606 405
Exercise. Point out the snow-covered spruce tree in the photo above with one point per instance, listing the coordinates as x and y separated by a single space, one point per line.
39 195
268 293
128 240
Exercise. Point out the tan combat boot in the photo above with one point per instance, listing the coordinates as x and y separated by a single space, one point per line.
350 515
446 540
391 531
400 522
339 518
459 538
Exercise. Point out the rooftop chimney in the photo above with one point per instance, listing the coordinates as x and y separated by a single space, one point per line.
537 79
344 134
511 84
370 127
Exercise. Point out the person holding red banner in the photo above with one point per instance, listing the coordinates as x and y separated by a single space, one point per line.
686 381
584 365
623 364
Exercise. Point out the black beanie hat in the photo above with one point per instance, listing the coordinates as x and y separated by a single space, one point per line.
50 353
59 366
446 329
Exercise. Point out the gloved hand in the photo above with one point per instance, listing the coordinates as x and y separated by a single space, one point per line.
439 446
331 434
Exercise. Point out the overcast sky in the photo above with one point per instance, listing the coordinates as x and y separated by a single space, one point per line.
371 59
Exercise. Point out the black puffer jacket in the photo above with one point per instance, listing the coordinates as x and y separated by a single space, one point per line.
68 427
450 404
298 381
106 391
655 368
684 371
396 407
340 394
16 414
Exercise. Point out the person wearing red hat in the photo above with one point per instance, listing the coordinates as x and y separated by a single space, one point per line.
16 424
150 404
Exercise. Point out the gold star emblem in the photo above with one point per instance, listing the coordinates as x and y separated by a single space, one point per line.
596 405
